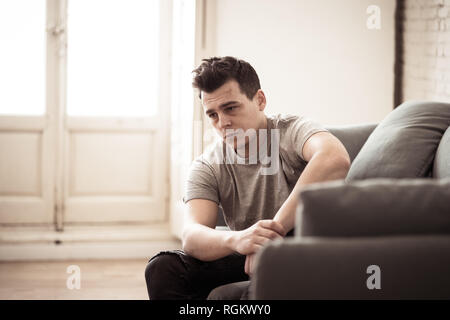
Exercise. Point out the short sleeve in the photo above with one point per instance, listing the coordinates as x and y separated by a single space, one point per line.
300 130
201 183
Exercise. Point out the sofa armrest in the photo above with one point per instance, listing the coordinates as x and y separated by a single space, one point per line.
375 207
411 267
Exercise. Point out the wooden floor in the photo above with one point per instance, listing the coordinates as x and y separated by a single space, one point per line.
100 279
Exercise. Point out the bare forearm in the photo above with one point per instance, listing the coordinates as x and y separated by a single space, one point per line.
207 244
320 168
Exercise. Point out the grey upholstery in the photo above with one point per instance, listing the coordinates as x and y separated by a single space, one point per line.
375 207
232 291
441 167
353 137
404 144
411 267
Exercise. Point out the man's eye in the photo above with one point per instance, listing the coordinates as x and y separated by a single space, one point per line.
230 108
212 115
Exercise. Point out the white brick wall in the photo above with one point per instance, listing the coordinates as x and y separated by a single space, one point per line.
426 50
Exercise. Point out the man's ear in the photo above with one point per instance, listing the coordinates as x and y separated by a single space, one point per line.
260 99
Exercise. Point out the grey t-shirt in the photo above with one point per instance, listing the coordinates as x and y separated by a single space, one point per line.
245 193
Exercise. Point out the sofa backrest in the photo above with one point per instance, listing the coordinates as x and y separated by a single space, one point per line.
352 137
441 165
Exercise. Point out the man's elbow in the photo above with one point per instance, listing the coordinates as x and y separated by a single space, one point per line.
185 239
341 165
337 164
189 242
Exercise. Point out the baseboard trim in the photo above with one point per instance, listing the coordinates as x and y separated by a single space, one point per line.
107 242
85 250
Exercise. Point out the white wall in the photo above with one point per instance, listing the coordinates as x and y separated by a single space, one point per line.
314 58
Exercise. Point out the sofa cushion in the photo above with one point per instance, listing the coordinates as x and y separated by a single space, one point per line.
441 167
231 291
404 144
375 207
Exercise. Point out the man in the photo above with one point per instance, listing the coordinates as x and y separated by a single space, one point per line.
258 203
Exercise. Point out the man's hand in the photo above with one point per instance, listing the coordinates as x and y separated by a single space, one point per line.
250 240
249 264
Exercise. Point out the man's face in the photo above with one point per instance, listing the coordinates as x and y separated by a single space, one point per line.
228 108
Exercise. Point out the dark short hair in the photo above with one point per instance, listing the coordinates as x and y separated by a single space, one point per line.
214 72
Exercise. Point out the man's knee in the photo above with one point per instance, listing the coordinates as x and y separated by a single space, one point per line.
163 274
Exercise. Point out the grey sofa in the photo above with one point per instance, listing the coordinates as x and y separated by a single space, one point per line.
378 235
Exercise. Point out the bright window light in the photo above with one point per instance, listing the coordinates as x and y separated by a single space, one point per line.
22 57
112 63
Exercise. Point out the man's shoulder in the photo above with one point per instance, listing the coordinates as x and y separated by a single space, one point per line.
294 129
211 156
283 120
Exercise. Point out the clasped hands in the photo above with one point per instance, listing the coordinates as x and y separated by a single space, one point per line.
251 240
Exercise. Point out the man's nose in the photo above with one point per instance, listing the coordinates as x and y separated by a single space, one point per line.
224 122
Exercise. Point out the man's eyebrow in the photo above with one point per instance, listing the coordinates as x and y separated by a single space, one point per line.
224 105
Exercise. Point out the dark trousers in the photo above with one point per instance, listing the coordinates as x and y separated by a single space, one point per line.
175 275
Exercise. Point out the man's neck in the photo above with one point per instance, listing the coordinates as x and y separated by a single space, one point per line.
264 125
